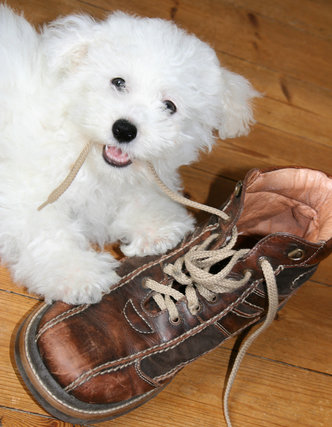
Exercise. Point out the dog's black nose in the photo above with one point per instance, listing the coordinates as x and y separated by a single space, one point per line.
124 131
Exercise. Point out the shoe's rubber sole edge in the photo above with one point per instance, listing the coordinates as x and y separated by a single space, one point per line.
50 395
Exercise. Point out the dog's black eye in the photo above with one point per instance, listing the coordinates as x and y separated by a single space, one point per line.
170 106
119 83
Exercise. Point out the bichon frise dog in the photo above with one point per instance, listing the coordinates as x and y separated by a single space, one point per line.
140 90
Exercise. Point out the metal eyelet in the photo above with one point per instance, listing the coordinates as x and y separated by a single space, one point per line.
175 321
213 299
261 259
296 254
196 309
238 189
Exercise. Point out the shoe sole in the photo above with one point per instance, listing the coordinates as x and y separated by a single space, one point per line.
50 395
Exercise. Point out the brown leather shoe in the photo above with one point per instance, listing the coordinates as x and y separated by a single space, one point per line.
90 363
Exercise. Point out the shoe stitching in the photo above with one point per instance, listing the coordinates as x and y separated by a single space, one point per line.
61 317
143 376
139 314
80 381
318 249
301 275
183 364
254 306
259 293
240 313
223 329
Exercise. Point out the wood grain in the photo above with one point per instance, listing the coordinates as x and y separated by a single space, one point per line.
306 15
284 48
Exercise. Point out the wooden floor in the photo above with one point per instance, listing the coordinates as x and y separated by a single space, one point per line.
285 48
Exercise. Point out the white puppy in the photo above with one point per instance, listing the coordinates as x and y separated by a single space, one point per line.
141 90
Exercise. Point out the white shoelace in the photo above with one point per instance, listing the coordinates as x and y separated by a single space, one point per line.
193 271
197 262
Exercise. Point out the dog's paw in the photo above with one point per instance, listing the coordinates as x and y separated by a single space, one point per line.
89 293
152 243
86 280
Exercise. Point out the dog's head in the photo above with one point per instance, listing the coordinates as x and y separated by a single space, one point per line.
144 88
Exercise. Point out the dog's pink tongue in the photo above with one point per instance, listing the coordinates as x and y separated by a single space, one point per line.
116 154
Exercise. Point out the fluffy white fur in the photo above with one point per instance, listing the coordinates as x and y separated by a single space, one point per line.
56 95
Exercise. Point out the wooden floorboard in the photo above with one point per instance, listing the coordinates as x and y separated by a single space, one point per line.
284 48
306 15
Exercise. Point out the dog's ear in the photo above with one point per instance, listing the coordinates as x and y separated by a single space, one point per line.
236 109
65 41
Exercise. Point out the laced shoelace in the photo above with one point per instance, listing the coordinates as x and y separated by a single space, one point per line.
193 271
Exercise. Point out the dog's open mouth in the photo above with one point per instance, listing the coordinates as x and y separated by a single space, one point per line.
114 156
